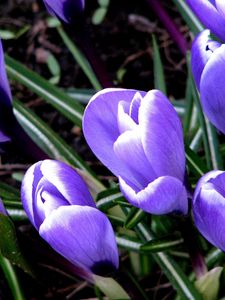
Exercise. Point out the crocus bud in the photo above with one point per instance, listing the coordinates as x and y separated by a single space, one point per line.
2 208
211 13
208 207
59 205
208 66
138 136
66 10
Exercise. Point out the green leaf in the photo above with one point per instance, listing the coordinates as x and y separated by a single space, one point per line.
8 192
208 285
161 244
80 59
9 246
51 94
159 80
192 21
128 243
53 144
195 163
12 279
134 217
109 198
99 15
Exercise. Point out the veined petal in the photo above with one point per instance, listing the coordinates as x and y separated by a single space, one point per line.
129 151
202 50
100 125
162 135
162 196
220 4
5 93
212 88
28 190
65 179
209 16
66 10
209 215
84 236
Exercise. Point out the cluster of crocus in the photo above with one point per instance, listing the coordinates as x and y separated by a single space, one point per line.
66 10
60 207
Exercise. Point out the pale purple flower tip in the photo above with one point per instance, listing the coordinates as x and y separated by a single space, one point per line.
65 10
138 136
59 205
208 66
211 13
208 207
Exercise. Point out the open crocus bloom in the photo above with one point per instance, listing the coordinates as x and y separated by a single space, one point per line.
208 66
138 136
65 10
208 207
211 13
59 205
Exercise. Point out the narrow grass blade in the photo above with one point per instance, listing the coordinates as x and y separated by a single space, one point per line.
80 59
161 244
53 144
134 217
191 20
159 78
195 163
51 94
12 279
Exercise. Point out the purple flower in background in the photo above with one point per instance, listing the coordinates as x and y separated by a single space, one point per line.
2 208
65 10
138 136
5 99
211 13
208 207
59 205
208 66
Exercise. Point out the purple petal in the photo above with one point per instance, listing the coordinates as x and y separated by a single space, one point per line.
202 50
220 4
2 208
5 93
67 181
162 135
28 190
212 88
4 138
83 235
162 196
209 16
100 125
130 152
208 208
66 10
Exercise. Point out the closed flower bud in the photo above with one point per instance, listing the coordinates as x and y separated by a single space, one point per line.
59 205
208 207
66 10
138 136
211 13
208 66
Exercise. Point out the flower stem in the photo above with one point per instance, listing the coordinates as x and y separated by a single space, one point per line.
190 240
168 23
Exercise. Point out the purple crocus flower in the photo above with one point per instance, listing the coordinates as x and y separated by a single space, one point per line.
138 136
208 66
59 205
65 10
208 207
211 13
